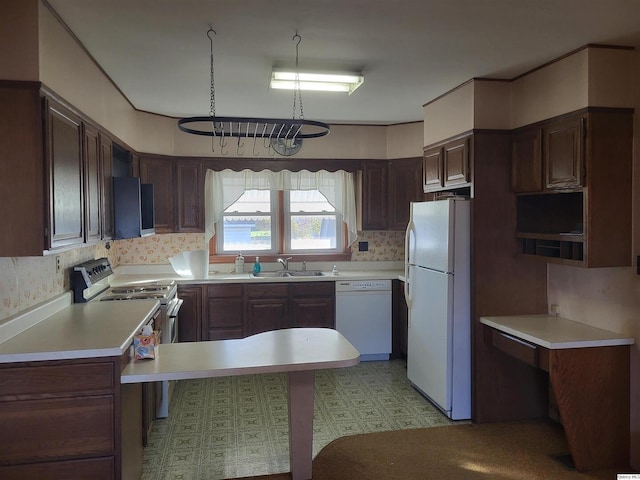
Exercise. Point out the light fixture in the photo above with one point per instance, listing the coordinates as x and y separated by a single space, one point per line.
318 81
284 136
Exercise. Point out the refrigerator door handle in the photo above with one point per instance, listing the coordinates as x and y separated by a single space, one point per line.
407 280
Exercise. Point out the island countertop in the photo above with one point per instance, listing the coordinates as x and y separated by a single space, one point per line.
554 332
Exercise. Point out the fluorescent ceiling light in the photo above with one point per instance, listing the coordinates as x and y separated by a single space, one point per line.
324 82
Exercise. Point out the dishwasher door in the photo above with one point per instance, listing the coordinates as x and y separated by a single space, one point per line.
363 316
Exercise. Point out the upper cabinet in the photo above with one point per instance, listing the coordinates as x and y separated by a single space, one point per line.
572 176
405 177
448 165
160 173
65 173
387 189
189 196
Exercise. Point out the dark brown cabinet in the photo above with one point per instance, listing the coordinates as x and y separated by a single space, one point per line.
432 169
61 419
582 217
190 317
189 196
106 192
65 173
160 173
564 152
267 307
447 165
224 316
374 195
92 182
456 162
526 160
313 304
404 188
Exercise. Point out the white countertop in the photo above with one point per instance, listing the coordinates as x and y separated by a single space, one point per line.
81 330
554 332
129 278
287 350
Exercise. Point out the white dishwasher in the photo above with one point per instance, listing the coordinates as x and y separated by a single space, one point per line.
363 316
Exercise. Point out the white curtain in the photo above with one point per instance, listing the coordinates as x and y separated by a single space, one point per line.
223 188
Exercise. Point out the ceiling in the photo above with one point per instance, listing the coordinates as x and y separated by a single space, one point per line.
410 51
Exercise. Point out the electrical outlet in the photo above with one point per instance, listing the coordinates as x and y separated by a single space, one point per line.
555 309
58 264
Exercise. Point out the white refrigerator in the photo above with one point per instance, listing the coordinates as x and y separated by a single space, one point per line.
437 290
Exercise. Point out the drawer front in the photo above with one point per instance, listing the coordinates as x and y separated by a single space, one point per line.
312 289
234 290
19 382
268 290
517 348
102 468
42 430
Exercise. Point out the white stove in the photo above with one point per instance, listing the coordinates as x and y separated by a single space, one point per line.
91 282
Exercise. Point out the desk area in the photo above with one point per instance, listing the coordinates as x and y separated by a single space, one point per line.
589 374
298 351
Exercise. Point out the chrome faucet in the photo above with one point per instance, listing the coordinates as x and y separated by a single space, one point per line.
285 262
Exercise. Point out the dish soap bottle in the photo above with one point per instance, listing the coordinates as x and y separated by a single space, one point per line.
256 265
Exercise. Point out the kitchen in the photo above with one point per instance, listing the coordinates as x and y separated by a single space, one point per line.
603 297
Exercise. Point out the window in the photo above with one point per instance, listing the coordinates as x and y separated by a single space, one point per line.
279 212
252 223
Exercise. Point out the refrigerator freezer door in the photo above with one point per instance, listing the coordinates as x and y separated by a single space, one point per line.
431 239
430 349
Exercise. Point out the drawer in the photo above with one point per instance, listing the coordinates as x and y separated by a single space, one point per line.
42 430
101 468
520 349
312 289
234 290
53 380
268 290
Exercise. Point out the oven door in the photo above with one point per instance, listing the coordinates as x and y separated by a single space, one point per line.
172 319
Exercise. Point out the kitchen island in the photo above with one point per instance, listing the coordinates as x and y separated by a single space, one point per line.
588 372
298 352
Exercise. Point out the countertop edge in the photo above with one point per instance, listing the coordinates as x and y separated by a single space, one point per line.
613 341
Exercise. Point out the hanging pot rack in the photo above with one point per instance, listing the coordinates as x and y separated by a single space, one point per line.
283 135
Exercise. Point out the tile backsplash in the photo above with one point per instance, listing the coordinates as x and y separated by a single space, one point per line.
27 281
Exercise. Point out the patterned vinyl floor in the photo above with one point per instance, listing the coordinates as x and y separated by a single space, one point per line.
238 426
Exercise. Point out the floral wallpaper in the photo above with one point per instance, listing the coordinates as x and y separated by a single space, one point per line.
27 281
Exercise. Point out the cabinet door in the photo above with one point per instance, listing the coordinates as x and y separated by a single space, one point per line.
456 162
374 196
159 172
404 187
190 319
266 314
432 169
526 160
563 153
106 196
313 312
189 196
91 144
64 162
224 312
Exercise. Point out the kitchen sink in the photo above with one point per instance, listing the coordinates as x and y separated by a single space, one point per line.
288 273
304 273
270 274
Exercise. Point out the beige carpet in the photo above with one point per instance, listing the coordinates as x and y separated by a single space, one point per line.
514 451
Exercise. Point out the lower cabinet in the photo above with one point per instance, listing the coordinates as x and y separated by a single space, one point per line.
224 312
313 305
239 310
61 419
